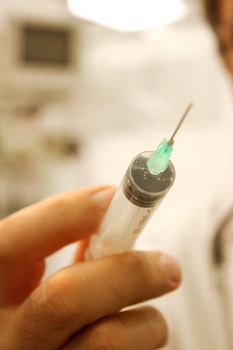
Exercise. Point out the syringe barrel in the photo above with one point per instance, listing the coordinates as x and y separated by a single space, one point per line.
135 201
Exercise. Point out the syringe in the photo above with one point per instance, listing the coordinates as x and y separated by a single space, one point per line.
145 184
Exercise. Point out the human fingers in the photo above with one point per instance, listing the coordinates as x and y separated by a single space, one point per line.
28 236
142 328
41 229
84 293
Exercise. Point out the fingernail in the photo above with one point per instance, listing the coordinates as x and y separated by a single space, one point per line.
103 198
171 269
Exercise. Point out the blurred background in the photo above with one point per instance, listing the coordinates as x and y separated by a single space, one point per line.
86 85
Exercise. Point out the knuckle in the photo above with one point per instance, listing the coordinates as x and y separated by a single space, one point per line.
135 266
27 324
55 301
102 337
134 261
49 306
134 269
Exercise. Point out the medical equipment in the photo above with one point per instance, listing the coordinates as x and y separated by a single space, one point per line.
145 184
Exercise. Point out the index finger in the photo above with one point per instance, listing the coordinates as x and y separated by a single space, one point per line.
41 229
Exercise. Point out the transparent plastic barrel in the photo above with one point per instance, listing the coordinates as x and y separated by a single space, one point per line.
135 201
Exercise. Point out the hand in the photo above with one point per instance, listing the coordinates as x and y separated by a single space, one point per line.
79 307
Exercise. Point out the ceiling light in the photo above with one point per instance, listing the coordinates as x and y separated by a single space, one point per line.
129 15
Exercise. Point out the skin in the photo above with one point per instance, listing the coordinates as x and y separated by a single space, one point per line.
224 30
81 306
